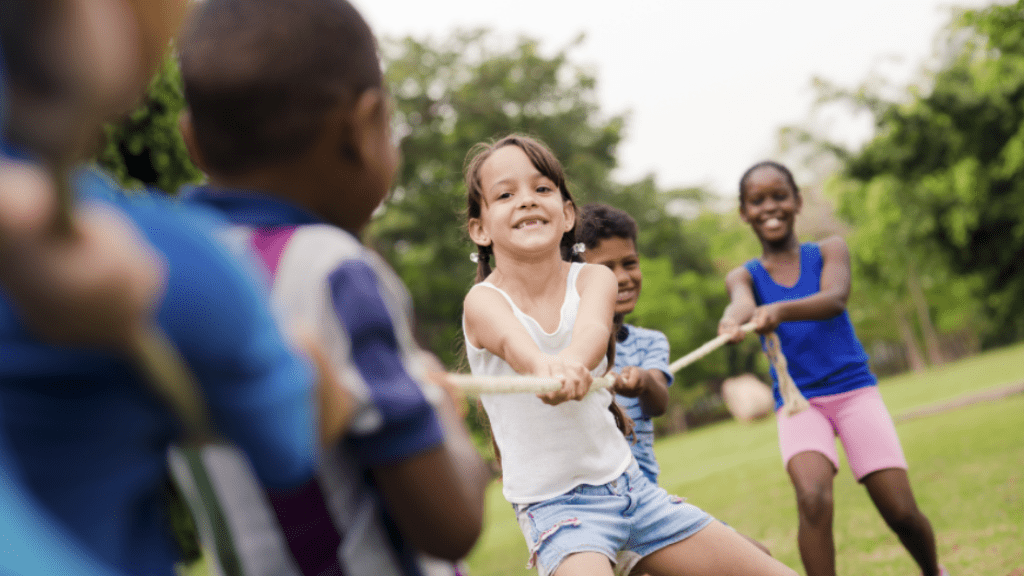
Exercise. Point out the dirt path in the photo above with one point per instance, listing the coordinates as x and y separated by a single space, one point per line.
961 401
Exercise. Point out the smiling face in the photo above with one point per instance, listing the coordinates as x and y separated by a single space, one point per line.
523 211
619 254
770 205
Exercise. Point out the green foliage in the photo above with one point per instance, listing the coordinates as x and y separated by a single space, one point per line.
146 148
940 189
469 88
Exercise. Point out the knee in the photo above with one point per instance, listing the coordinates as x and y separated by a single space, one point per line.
815 502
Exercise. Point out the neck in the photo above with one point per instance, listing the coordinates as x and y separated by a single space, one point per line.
785 247
529 275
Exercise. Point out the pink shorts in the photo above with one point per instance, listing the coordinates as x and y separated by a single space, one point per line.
860 420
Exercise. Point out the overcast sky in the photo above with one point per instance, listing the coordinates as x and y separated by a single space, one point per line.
707 82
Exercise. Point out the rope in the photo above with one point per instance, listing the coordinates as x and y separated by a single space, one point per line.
476 385
793 400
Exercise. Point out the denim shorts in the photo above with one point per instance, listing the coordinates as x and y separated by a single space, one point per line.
625 519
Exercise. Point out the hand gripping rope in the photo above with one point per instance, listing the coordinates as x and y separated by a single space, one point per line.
793 400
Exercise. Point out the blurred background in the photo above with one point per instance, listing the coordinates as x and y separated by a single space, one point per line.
902 122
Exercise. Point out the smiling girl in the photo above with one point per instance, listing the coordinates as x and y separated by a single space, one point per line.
799 291
582 502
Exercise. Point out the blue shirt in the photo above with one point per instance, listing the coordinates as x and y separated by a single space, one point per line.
89 436
824 357
649 350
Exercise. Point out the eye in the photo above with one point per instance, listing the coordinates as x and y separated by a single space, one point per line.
544 188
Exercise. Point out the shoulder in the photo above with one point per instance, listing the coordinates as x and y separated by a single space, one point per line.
834 247
647 334
483 298
595 275
739 275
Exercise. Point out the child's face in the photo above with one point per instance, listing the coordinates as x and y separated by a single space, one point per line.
770 205
522 209
620 255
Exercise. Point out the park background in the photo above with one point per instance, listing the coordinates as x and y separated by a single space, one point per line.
930 199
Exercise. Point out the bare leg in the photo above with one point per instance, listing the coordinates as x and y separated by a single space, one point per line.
812 474
584 564
717 549
891 493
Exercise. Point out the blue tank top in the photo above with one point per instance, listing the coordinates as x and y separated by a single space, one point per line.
824 356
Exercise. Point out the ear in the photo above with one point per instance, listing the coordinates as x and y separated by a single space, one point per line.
477 234
188 134
368 124
569 210
743 213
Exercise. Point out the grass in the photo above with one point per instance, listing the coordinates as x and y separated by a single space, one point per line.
966 468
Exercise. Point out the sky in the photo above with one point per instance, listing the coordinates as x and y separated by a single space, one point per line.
706 83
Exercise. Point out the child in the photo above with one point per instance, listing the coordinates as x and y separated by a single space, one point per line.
800 292
288 117
641 355
579 494
83 430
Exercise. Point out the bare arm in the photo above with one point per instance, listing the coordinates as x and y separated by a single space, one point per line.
491 324
742 303
826 303
590 336
437 497
650 386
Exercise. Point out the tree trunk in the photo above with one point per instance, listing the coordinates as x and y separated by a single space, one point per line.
913 353
931 337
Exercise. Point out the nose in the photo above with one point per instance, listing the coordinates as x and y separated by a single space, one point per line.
621 275
528 198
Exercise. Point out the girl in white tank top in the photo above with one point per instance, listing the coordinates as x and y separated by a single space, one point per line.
582 501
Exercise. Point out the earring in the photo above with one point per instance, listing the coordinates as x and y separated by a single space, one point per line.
474 257
579 248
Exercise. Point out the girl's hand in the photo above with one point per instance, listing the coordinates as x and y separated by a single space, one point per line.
766 318
575 378
732 328
629 382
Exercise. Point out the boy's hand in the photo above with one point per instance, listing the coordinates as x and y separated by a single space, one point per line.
97 286
336 406
575 378
630 382
437 375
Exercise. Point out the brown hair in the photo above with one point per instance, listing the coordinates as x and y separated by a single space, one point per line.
548 165
544 161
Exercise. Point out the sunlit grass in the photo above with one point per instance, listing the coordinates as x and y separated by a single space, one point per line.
966 468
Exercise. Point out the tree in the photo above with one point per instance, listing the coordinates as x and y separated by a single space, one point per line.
146 148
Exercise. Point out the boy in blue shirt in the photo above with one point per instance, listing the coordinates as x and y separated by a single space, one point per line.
641 354
83 430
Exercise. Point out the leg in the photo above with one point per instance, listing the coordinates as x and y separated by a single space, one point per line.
891 493
718 550
812 474
584 564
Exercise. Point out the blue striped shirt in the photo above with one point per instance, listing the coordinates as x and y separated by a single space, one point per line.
647 349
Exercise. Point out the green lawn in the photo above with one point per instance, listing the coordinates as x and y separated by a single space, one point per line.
966 467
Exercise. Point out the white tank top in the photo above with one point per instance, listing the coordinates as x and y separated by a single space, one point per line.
548 450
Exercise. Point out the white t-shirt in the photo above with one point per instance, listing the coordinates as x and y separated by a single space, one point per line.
548 450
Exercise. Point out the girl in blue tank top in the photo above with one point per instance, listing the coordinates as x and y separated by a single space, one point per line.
799 291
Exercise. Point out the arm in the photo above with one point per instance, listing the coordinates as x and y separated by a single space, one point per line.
742 303
650 385
491 324
826 303
597 287
430 476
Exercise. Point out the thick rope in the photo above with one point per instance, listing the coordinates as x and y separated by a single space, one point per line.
793 400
